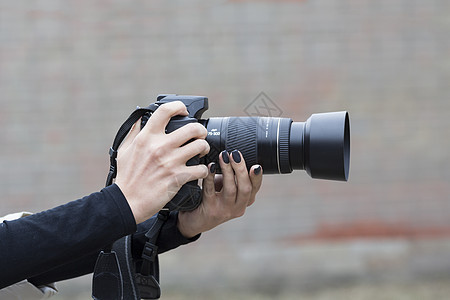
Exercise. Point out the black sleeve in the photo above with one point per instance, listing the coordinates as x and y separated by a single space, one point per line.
169 238
38 243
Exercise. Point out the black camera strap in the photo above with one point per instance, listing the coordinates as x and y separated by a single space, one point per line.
122 133
115 276
147 280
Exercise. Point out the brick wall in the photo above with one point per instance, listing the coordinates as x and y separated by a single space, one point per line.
70 73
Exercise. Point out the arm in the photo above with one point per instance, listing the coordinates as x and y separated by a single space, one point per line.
147 163
170 238
63 234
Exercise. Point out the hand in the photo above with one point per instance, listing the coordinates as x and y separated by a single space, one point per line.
151 165
225 197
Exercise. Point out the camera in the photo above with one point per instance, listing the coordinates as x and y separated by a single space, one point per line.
320 146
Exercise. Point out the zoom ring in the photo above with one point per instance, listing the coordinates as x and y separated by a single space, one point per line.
241 135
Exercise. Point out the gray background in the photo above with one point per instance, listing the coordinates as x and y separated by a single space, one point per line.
72 71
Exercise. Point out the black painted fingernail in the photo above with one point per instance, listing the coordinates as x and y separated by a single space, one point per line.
225 157
257 170
236 156
212 168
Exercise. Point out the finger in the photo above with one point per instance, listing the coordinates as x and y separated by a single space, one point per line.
244 185
218 182
229 183
161 117
196 147
208 183
131 135
194 173
187 133
256 179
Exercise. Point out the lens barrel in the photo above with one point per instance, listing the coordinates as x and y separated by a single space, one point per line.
321 145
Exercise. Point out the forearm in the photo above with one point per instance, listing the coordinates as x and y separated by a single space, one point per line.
36 244
170 238
80 267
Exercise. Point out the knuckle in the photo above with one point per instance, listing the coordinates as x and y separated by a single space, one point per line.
200 146
157 152
239 212
246 190
229 194
205 171
164 109
202 172
218 217
178 104
170 108
227 215
252 200
206 146
140 142
203 132
197 130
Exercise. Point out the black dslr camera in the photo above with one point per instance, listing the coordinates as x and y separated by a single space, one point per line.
321 145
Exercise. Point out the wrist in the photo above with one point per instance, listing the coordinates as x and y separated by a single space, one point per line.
185 227
136 206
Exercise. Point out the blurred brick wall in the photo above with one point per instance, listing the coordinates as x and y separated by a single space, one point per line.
71 72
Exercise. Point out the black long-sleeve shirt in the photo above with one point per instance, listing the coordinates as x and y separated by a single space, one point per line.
64 242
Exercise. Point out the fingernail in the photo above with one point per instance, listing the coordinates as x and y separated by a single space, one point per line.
236 156
225 157
212 168
257 170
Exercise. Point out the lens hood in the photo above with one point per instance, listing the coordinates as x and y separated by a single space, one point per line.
327 146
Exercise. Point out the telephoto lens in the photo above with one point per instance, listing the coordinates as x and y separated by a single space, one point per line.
321 145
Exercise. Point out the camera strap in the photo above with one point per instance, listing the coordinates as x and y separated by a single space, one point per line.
115 276
122 133
147 279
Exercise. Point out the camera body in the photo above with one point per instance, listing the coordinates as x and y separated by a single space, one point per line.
320 146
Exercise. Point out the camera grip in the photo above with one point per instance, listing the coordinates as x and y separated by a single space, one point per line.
189 196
